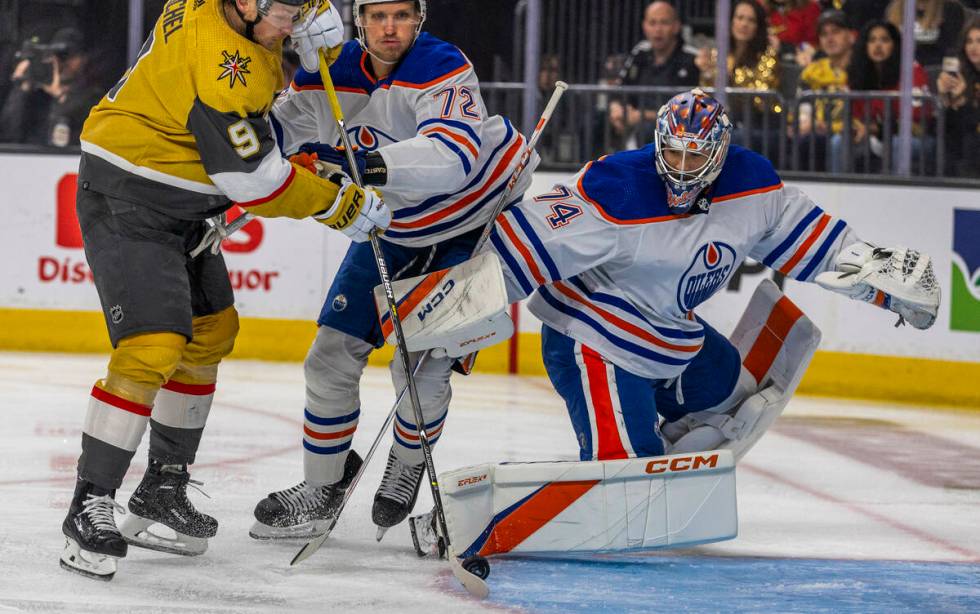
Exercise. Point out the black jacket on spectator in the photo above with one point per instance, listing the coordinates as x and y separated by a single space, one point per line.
34 118
640 69
963 137
932 53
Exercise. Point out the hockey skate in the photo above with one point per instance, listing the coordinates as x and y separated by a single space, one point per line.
396 496
161 516
93 544
303 511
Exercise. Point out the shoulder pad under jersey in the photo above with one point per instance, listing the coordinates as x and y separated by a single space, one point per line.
347 72
625 188
745 172
430 61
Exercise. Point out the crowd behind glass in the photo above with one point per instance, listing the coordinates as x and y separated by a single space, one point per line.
812 82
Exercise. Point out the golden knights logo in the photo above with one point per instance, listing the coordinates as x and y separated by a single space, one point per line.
235 68
712 265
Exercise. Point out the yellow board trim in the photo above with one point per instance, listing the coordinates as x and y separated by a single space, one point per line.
837 374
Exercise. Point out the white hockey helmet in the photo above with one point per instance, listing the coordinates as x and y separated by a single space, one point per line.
359 8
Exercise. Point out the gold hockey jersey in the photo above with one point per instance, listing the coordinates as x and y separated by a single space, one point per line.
186 131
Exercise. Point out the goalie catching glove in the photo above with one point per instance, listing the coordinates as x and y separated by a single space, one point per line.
356 211
898 279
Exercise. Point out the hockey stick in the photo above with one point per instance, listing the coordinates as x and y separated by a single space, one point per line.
475 585
465 364
314 544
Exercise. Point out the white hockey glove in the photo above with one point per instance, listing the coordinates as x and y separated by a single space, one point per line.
899 279
355 212
322 28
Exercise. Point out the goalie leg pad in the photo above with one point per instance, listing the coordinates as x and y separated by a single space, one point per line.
594 506
776 342
333 370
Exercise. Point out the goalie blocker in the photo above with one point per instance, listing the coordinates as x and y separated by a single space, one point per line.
452 312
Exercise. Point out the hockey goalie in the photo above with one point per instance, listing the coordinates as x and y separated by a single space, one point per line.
615 262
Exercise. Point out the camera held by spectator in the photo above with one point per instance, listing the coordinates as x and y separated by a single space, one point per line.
39 64
52 92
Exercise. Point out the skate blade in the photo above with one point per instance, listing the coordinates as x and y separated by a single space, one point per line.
381 533
145 533
86 563
307 530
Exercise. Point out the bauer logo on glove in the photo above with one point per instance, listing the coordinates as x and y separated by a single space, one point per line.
355 212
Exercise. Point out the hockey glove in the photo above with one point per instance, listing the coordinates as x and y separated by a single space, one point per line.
371 165
322 28
898 279
355 212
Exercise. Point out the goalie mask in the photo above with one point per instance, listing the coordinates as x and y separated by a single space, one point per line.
361 25
692 137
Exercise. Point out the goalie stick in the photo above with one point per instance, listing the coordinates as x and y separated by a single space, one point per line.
481 566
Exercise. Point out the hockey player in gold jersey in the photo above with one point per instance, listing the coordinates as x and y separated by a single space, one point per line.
182 136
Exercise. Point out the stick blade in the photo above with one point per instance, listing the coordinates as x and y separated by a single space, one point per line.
474 585
310 547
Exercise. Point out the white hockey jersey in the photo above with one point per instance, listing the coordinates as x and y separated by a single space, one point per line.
448 162
610 266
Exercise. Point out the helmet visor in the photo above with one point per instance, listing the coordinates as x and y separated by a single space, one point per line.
282 15
400 18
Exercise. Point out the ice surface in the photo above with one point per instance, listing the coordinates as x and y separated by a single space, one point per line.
847 506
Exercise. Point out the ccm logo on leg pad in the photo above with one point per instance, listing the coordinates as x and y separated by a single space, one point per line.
682 463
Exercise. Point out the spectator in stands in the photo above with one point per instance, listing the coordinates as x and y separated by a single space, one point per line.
938 24
794 24
822 118
53 92
658 60
960 91
859 12
751 64
874 65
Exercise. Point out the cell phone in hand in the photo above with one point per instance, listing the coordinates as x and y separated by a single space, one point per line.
951 65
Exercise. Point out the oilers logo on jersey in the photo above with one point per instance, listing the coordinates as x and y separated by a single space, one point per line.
368 138
713 263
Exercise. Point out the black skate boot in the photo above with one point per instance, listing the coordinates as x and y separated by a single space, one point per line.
303 511
396 496
92 541
161 499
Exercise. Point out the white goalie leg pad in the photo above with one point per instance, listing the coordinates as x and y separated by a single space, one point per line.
453 311
593 506
776 342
